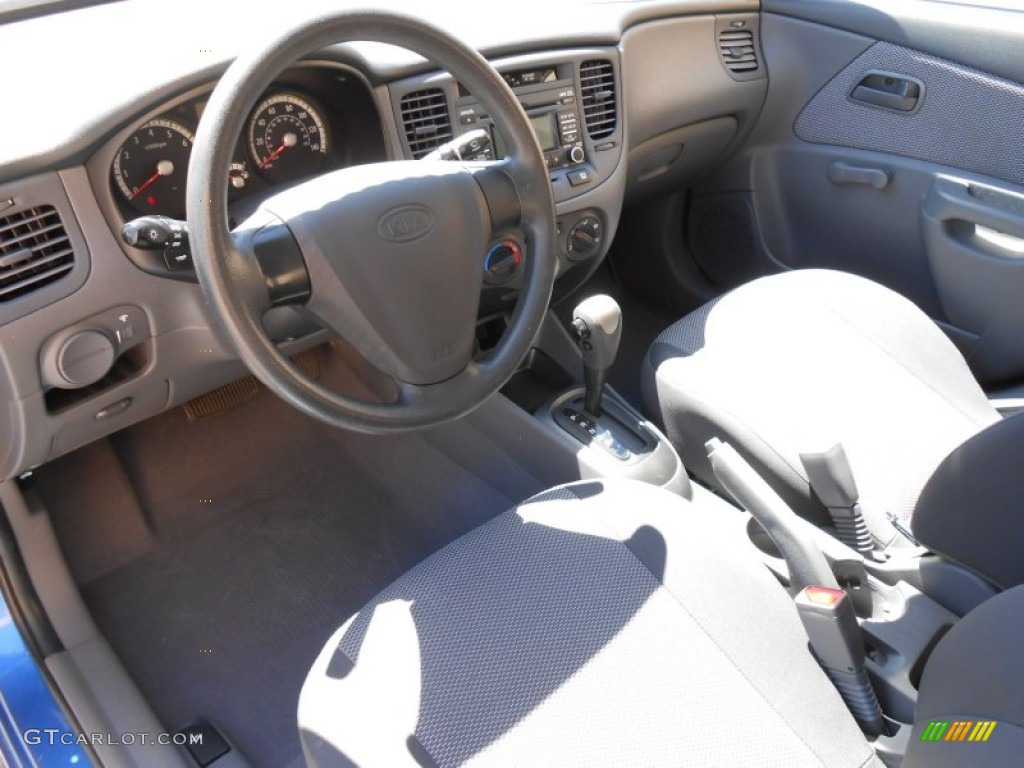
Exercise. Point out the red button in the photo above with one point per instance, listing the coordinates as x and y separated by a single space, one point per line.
824 595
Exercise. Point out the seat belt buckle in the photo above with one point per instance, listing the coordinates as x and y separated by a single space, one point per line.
831 624
829 618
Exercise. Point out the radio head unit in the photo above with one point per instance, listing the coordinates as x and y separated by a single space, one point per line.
552 107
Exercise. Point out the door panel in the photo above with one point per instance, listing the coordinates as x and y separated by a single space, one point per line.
964 118
900 165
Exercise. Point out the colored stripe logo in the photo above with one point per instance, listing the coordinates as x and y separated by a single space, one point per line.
958 730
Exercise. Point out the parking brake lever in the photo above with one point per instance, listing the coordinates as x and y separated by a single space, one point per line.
825 610
807 565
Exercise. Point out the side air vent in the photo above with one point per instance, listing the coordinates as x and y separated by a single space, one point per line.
597 90
738 51
34 251
426 120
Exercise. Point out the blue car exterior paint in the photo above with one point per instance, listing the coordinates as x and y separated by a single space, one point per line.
27 705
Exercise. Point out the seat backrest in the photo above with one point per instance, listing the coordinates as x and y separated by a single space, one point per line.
970 510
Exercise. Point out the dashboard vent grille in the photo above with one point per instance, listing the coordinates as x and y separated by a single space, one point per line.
426 120
597 89
736 47
34 251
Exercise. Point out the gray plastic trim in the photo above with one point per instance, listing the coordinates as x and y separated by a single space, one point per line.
979 281
604 199
603 163
673 77
99 110
185 357
537 444
97 688
949 30
902 628
39 190
964 118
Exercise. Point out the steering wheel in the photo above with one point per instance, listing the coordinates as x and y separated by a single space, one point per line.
388 255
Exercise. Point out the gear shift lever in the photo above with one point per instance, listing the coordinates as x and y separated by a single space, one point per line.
597 323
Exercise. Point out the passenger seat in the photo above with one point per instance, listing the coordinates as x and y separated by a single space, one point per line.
798 362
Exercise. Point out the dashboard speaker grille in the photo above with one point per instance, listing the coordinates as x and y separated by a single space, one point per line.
426 120
737 50
597 90
34 251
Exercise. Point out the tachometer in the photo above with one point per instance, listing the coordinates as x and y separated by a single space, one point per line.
151 167
287 138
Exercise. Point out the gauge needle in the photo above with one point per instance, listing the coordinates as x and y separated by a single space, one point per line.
163 168
288 140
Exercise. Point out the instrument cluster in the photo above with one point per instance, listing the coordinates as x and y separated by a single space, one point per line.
310 121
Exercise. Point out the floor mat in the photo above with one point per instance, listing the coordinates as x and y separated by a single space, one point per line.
263 531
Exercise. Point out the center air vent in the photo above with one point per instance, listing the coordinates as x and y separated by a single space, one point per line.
597 90
737 48
34 251
426 120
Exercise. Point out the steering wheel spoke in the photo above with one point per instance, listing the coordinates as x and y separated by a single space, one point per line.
266 246
500 192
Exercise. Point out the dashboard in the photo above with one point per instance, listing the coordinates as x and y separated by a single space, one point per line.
315 118
97 333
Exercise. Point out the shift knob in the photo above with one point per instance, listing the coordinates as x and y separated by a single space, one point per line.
597 322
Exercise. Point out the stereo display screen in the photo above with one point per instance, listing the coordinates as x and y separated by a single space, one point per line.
544 127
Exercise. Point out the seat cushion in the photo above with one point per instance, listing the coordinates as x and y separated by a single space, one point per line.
797 362
599 624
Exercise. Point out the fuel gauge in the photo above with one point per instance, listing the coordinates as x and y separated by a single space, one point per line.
238 179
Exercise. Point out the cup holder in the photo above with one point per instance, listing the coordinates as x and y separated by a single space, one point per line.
760 539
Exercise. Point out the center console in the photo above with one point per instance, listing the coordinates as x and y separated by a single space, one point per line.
547 420
552 104
572 100
556 416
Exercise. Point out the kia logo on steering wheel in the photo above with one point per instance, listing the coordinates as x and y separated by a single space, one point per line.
405 224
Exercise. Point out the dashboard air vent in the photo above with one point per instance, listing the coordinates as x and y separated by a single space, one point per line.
597 89
736 47
426 120
34 251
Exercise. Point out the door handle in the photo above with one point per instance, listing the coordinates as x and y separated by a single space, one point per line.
889 91
844 173
949 201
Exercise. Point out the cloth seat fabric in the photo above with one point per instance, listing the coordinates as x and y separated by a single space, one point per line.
797 362
602 624
975 675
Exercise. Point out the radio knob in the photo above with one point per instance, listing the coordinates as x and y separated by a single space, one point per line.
577 155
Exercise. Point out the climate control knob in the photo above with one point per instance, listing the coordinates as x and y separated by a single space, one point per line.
576 155
502 261
585 238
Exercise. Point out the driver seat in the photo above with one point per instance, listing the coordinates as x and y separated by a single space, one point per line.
601 623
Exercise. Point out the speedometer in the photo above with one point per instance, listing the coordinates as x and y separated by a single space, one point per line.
287 138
